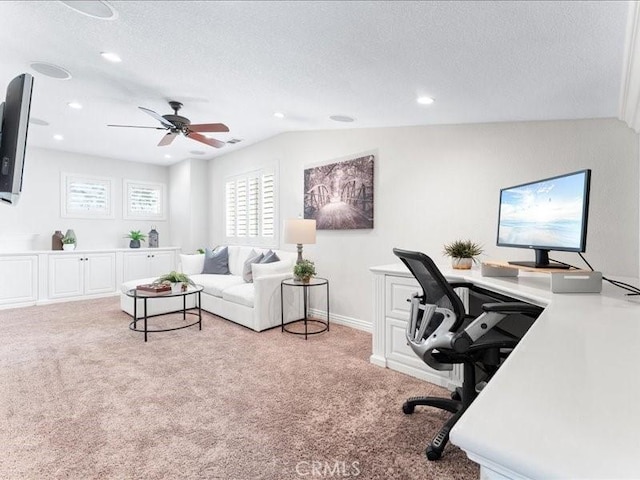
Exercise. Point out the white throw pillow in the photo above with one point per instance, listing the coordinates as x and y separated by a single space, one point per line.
192 264
263 269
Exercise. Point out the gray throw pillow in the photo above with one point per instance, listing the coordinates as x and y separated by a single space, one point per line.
216 261
247 274
270 257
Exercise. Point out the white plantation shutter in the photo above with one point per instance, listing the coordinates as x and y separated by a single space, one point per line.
143 200
250 208
86 197
268 205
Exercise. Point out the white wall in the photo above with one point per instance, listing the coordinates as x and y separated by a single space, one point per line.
38 210
438 183
189 204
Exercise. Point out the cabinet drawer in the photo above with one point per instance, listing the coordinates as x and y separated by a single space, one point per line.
398 290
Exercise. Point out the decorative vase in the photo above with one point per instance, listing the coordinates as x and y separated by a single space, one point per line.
71 234
134 244
56 240
69 246
461 263
305 279
176 287
153 238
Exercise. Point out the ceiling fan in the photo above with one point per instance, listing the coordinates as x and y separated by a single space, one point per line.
176 124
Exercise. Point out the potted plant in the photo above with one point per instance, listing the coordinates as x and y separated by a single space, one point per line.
178 281
462 253
304 270
68 243
136 237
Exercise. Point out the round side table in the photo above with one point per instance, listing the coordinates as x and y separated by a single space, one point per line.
308 322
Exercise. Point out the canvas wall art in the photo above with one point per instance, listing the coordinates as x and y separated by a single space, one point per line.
339 196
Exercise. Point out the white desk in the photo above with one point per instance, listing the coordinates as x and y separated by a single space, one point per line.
566 403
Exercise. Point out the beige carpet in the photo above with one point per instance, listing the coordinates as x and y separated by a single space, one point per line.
83 397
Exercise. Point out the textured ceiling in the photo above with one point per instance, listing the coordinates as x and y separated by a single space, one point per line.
239 62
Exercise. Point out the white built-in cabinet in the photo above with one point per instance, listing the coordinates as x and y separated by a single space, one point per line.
41 277
18 279
147 264
82 274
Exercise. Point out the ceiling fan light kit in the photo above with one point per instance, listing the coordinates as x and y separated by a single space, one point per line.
176 124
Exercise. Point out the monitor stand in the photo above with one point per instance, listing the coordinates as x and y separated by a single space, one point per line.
542 261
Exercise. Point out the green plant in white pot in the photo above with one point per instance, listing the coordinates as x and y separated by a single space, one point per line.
68 243
304 270
463 253
178 281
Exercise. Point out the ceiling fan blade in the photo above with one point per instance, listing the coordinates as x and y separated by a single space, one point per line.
209 127
167 139
136 126
209 141
158 117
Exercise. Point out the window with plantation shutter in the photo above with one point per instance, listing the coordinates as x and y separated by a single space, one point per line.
85 197
143 200
250 208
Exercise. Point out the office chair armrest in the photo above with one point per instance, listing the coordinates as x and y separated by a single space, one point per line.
461 285
512 307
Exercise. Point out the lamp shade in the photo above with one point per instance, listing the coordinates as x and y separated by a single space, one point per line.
300 231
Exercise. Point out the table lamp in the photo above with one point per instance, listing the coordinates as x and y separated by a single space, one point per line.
299 231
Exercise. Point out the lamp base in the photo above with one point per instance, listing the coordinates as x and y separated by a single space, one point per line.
299 253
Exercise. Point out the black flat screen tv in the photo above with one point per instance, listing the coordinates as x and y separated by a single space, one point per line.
14 114
548 214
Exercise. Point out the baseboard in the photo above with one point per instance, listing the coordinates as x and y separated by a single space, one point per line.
50 301
343 320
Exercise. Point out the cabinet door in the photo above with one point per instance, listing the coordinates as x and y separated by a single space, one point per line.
22 285
66 276
99 273
161 263
135 266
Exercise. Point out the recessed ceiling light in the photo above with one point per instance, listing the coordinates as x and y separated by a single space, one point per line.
166 155
58 137
341 118
37 121
94 9
278 115
75 105
112 57
424 100
196 152
51 70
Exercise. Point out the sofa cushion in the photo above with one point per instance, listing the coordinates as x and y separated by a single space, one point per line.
190 264
216 261
216 284
270 257
253 257
242 294
263 269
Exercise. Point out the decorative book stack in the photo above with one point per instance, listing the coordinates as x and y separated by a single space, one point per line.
154 288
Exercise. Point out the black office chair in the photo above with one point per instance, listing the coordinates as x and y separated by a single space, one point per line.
442 334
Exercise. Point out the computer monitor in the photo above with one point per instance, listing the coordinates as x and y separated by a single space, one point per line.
14 124
544 215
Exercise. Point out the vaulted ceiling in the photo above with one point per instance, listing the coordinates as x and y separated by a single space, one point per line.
241 62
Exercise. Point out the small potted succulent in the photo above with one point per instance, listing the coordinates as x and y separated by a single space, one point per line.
304 270
68 242
179 281
463 253
136 237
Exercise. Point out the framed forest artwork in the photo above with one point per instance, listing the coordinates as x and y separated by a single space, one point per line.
339 196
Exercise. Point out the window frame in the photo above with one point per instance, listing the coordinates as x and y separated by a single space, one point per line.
67 179
127 214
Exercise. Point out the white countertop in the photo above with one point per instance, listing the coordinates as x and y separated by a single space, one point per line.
566 403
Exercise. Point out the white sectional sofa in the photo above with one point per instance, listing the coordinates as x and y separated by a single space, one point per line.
255 305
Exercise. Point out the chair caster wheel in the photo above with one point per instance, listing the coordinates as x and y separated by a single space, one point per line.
432 454
407 409
455 396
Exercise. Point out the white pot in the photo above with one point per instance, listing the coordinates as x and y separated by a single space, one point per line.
176 287
461 263
69 246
